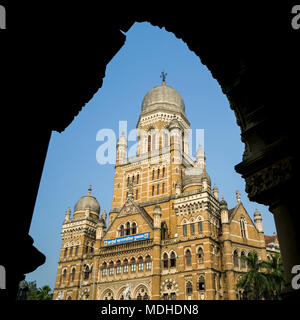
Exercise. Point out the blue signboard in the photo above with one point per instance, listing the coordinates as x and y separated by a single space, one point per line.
135 237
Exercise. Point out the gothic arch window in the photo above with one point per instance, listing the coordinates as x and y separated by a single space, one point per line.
188 257
235 258
133 265
158 173
182 141
66 252
172 260
149 142
184 229
76 250
128 180
164 230
148 263
140 264
242 227
108 295
153 174
138 178
146 297
243 261
163 187
69 298
164 171
201 284
136 194
192 225
118 267
86 273
122 232
200 226
64 275
104 269
71 252
139 297
132 179
158 189
189 288
111 268
127 229
152 191
133 228
125 266
73 274
200 255
165 261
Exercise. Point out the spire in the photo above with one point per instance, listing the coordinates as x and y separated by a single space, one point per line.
90 190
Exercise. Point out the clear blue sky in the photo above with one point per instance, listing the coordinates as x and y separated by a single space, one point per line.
71 165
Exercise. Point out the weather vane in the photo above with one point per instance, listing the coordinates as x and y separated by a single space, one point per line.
163 76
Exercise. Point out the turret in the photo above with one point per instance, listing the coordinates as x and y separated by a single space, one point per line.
258 221
224 211
157 217
178 188
216 192
121 149
68 214
200 158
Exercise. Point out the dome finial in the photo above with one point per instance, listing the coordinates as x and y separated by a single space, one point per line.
163 76
90 190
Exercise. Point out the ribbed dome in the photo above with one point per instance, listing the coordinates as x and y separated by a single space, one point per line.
87 202
163 96
195 176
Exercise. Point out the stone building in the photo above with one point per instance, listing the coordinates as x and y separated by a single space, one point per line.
168 234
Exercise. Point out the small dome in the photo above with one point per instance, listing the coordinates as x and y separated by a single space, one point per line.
223 203
163 96
87 202
257 213
194 176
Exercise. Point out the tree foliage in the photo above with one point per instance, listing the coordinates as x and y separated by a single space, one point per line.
264 279
34 293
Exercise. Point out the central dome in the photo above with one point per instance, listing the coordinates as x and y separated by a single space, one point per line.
87 202
165 97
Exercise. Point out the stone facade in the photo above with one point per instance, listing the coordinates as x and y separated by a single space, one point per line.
168 235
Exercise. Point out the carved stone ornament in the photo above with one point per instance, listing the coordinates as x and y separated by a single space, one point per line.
268 178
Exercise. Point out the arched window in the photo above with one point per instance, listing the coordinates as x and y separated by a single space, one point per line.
69 298
182 141
242 227
64 275
200 226
200 255
146 297
149 142
173 260
133 265
104 269
184 229
164 231
122 231
189 288
139 297
201 284
158 189
87 249
137 178
163 188
192 228
127 228
152 191
165 261
125 266
140 264
136 194
73 274
118 265
235 258
133 228
111 268
158 173
76 250
188 257
243 261
71 251
128 180
164 171
153 173
66 252
86 273
148 263
132 179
